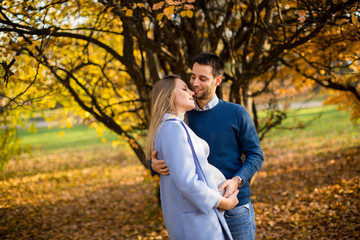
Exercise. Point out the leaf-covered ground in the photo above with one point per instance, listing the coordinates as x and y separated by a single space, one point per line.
309 189
306 189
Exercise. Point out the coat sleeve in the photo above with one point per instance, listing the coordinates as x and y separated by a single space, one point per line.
179 159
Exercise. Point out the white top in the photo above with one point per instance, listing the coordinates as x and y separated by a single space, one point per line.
219 177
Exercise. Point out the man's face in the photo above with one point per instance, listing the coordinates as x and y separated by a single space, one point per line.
203 82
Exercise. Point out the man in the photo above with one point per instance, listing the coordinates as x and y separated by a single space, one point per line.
230 133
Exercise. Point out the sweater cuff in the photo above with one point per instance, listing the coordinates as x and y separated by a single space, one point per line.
153 173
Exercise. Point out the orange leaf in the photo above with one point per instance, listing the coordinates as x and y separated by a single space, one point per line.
342 21
158 5
354 19
302 16
301 13
170 2
188 6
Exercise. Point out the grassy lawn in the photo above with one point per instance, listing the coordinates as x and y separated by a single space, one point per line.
318 121
75 187
64 138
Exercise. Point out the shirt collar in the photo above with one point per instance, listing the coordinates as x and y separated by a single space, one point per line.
213 102
172 115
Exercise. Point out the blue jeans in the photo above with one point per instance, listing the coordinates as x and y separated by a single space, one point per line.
241 222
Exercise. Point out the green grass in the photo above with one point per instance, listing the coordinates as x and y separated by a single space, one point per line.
323 121
320 121
76 137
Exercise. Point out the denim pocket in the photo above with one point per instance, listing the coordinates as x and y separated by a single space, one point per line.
239 220
237 211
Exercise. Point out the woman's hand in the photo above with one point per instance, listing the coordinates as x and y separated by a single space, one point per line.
229 202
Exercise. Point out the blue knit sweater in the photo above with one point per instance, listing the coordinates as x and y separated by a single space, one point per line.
230 133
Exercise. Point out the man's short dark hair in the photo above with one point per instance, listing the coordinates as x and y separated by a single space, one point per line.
211 59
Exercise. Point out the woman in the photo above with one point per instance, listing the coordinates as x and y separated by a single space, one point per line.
189 195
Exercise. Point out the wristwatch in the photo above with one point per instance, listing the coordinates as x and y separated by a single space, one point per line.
240 181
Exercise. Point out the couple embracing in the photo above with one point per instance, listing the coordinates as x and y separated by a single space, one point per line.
192 158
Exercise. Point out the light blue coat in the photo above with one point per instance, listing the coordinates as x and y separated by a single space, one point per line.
189 193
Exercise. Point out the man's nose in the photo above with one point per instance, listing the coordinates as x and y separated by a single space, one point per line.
195 82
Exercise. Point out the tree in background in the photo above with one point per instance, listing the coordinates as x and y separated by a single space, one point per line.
99 59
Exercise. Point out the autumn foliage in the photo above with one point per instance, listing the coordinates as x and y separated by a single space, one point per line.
98 60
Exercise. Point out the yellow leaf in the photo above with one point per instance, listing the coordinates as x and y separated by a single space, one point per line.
183 13
109 10
129 13
103 140
50 104
322 72
187 13
61 134
140 5
115 143
69 123
169 11
99 131
159 16
190 14
158 5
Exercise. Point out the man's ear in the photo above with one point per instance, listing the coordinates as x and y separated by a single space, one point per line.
218 80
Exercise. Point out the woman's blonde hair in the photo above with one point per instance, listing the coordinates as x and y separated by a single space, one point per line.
162 102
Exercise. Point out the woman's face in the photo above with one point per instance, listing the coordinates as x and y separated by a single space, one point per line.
184 100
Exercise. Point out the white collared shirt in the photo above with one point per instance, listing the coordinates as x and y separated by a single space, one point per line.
213 102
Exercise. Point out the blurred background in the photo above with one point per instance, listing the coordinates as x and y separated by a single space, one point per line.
76 77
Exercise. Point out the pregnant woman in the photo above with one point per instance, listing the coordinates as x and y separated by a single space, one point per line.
189 195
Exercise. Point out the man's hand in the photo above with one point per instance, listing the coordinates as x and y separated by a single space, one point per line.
230 186
158 166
